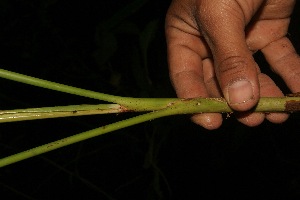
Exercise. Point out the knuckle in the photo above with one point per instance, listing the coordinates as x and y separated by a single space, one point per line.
232 65
294 78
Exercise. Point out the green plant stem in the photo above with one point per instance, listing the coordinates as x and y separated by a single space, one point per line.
198 105
183 106
159 107
81 136
54 86
57 111
145 104
130 103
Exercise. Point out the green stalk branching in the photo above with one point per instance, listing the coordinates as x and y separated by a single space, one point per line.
156 108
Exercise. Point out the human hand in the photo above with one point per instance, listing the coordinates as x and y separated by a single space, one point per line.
210 47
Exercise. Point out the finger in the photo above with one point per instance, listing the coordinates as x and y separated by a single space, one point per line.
185 68
284 61
186 72
236 69
209 121
263 32
267 89
185 52
249 118
210 79
190 84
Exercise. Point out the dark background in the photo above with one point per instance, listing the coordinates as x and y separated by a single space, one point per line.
118 47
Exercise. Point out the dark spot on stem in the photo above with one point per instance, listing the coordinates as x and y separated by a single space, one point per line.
294 95
292 106
124 109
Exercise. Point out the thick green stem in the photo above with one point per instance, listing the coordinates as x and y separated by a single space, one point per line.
159 108
198 105
143 104
183 106
128 102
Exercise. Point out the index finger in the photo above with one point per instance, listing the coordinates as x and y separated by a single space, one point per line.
186 49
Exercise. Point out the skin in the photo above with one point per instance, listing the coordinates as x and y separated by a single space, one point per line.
210 53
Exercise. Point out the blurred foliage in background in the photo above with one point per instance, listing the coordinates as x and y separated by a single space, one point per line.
118 47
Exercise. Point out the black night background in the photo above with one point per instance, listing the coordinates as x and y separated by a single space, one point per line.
118 47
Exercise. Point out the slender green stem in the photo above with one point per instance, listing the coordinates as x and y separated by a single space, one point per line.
81 136
55 86
129 102
57 111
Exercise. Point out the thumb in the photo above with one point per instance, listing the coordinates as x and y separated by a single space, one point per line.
223 28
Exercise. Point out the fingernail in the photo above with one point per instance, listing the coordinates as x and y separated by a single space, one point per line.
240 92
